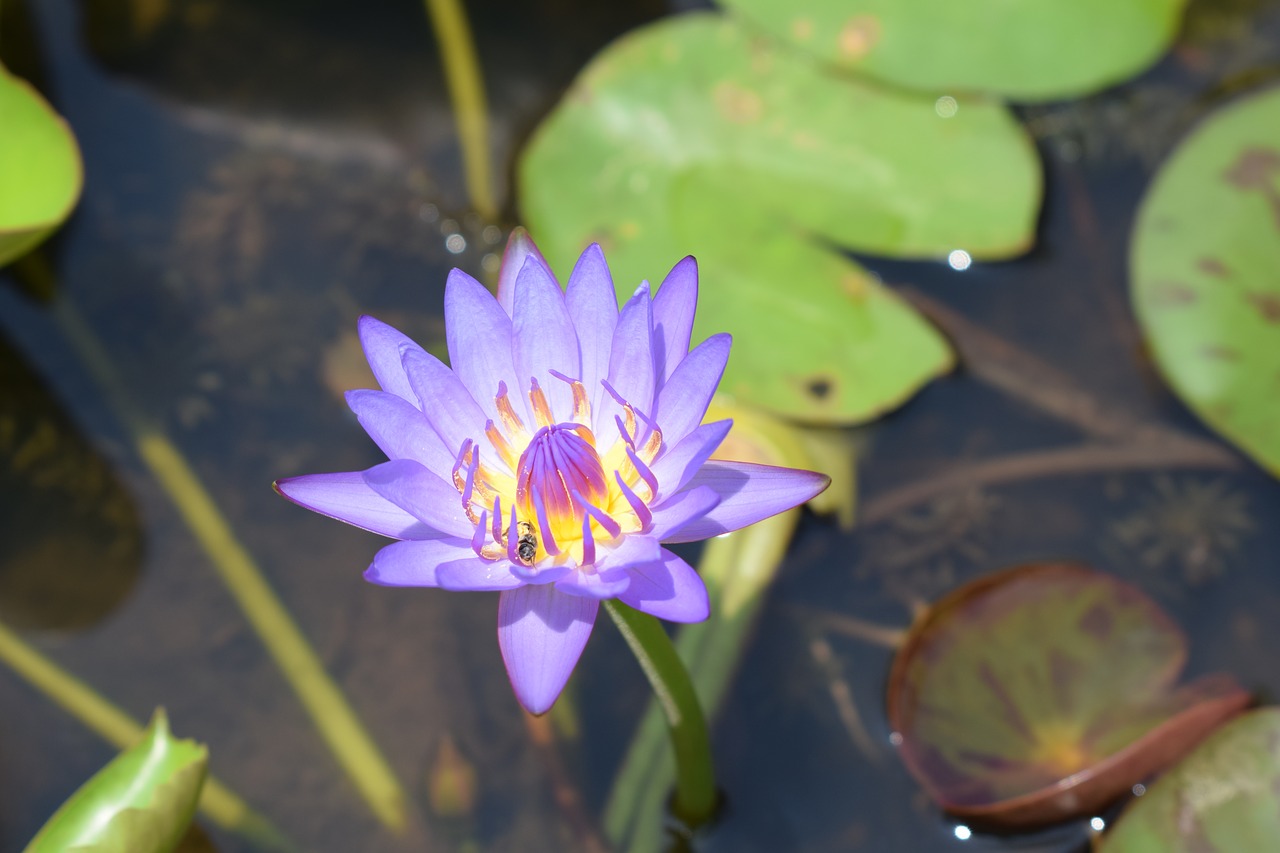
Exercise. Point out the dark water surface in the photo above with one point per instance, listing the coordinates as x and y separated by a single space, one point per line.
261 173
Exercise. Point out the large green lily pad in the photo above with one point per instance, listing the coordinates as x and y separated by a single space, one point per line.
1205 264
40 171
1222 798
142 802
694 136
1045 692
1028 50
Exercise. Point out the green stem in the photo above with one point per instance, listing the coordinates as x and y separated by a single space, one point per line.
466 93
695 799
737 570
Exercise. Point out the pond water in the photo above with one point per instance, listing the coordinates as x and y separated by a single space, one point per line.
261 173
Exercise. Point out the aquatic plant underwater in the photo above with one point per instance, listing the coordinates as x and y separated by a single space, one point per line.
554 434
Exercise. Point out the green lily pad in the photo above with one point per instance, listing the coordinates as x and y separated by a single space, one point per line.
695 136
1220 799
142 802
40 172
1204 261
1027 50
1045 692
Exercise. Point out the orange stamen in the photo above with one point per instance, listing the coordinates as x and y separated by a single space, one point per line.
541 408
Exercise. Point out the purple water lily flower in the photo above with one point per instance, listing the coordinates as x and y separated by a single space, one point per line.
565 444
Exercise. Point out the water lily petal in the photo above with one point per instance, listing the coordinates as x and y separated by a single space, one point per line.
593 307
684 398
544 337
414 561
680 509
542 633
673 309
748 493
675 467
475 574
634 549
539 574
595 584
669 589
631 359
478 333
383 346
399 428
453 412
520 248
346 497
422 494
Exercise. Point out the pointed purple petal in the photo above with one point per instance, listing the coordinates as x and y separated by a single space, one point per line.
346 497
474 574
669 589
673 309
683 400
682 508
399 428
414 561
448 405
748 493
382 348
544 338
520 248
422 494
479 335
631 359
593 307
674 467
542 633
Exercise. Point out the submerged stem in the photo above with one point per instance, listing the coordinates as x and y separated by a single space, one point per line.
695 798
333 716
466 93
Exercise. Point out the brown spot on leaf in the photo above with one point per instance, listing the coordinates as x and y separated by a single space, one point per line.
1097 622
1268 305
1213 267
820 387
1218 352
1170 294
802 29
855 285
736 103
858 36
1254 169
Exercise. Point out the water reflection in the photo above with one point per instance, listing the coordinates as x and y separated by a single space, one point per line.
70 537
264 172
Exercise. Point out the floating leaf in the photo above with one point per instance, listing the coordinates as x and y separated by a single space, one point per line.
1028 50
694 136
1045 692
141 802
1204 261
1220 799
40 171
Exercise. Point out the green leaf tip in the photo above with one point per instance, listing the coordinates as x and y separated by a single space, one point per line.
141 802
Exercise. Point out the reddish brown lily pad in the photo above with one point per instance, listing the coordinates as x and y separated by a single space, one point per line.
1045 692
